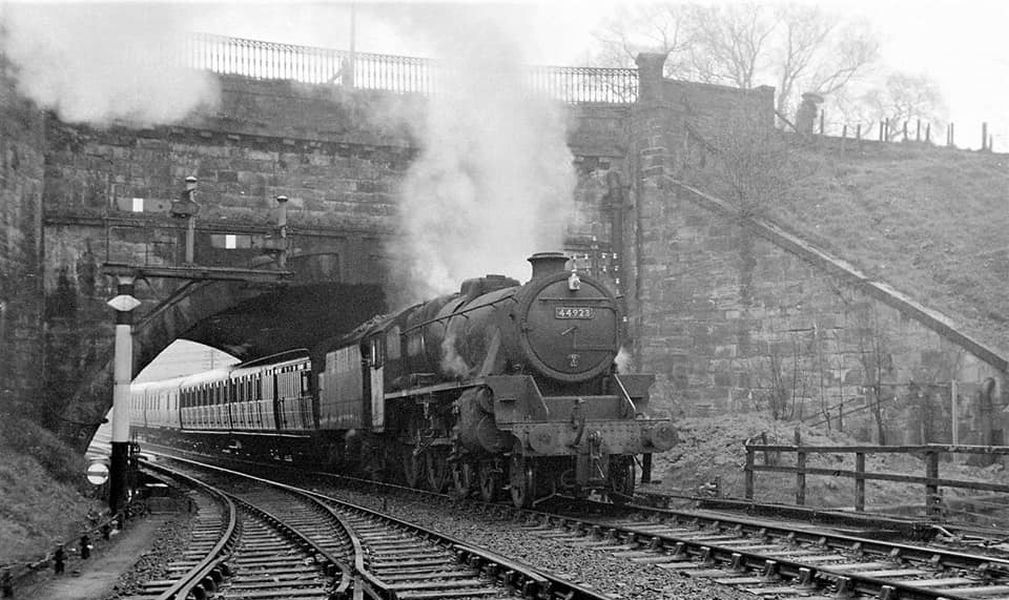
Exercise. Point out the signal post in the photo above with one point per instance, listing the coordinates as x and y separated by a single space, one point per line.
122 374
276 243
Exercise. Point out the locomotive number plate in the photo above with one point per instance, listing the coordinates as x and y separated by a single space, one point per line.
572 312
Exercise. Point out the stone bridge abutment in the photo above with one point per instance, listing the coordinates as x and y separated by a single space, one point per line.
731 314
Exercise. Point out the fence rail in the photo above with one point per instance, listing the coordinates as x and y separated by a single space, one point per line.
930 480
401 74
886 131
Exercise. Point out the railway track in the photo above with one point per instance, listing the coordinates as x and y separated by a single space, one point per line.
765 557
295 543
216 531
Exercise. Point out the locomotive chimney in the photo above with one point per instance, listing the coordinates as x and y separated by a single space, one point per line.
548 263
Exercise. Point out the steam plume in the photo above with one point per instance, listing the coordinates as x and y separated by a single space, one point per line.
623 361
494 181
96 63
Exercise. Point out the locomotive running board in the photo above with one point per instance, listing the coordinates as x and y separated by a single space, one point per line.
433 389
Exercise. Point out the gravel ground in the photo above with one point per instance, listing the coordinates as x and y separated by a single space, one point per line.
169 542
592 567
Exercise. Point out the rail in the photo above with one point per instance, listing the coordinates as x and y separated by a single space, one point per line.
400 74
214 564
931 480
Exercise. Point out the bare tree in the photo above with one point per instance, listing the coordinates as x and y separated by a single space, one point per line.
729 41
800 49
638 28
894 97
876 362
749 164
906 97
818 53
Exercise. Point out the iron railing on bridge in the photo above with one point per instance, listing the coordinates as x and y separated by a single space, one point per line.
401 74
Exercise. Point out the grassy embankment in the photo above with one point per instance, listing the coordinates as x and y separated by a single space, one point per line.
43 492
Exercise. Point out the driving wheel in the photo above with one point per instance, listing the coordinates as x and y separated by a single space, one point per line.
490 481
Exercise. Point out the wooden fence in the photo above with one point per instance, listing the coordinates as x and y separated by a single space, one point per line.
893 131
930 479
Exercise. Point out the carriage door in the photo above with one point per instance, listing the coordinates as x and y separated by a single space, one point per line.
376 369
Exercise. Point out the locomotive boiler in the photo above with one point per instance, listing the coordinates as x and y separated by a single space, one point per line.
499 388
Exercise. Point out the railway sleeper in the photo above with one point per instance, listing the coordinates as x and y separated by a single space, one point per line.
461 574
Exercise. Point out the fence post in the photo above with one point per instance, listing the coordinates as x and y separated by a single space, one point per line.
928 133
932 508
917 133
858 132
860 481
984 136
800 470
821 121
748 474
905 131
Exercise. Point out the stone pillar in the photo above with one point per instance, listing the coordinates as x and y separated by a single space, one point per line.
655 130
805 116
650 66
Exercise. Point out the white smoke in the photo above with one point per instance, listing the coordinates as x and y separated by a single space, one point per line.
99 63
494 181
451 363
623 361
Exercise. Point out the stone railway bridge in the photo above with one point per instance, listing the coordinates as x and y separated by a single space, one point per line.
718 302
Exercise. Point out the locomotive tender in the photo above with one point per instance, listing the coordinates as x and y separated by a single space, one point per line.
500 386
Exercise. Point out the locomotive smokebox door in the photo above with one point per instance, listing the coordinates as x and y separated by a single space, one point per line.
568 332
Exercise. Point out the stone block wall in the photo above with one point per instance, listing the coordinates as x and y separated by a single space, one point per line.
734 314
341 197
731 321
717 109
22 149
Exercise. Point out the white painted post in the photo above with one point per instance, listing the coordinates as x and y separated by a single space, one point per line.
122 374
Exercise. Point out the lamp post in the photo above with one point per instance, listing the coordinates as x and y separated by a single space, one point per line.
122 374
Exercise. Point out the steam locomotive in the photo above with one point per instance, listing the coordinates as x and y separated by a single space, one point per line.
498 387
